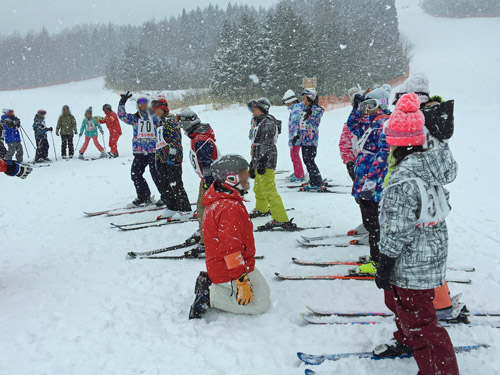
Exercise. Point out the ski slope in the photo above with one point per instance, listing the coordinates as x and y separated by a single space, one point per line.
71 303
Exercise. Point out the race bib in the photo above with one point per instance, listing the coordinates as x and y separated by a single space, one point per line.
90 125
194 162
145 129
160 140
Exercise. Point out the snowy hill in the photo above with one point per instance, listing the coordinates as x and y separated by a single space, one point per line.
71 303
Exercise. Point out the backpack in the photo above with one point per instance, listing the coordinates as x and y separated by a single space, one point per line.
439 119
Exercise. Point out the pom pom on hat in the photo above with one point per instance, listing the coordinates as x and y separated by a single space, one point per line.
406 125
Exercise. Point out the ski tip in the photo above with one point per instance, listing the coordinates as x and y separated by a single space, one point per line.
310 372
294 259
132 255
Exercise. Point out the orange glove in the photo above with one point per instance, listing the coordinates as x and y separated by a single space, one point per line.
244 294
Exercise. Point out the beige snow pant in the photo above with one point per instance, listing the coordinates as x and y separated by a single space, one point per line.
223 296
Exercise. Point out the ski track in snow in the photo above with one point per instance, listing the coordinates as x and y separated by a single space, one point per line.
71 303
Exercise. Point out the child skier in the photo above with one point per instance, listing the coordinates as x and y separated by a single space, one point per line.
42 144
90 127
203 153
144 147
169 163
264 134
11 125
115 131
366 122
231 283
295 107
308 136
414 240
66 127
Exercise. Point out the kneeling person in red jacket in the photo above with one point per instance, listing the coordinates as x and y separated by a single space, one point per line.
232 282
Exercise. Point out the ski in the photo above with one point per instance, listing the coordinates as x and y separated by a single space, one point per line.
360 262
351 276
327 312
328 184
127 210
317 191
321 238
180 257
263 228
314 360
326 244
333 320
154 224
188 243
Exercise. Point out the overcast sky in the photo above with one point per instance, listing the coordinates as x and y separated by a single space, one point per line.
26 15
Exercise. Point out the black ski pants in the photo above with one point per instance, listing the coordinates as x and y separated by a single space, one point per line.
369 213
172 189
67 143
139 164
308 155
42 148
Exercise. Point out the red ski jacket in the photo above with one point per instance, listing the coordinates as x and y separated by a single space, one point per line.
112 123
3 166
228 234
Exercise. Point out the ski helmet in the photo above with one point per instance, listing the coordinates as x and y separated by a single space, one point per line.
262 103
107 107
226 169
188 120
289 97
161 102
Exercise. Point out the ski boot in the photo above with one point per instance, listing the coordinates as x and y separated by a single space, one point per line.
392 349
160 203
182 216
295 179
196 252
140 202
312 188
81 156
103 155
256 213
273 224
369 267
454 314
194 239
201 302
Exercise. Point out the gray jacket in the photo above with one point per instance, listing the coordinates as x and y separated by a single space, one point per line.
265 134
421 249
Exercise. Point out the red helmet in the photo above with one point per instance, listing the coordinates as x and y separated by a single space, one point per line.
160 102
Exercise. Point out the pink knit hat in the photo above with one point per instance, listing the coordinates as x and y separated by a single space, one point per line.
406 125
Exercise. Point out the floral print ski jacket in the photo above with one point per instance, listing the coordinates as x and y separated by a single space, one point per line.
309 125
294 123
144 140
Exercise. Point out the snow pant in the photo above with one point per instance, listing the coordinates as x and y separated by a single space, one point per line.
67 143
308 155
200 209
418 327
86 144
113 142
442 298
298 171
139 164
15 148
223 296
267 196
3 150
171 187
369 214
42 148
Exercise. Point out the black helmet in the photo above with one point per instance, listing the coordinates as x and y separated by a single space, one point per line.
226 169
262 103
188 120
106 107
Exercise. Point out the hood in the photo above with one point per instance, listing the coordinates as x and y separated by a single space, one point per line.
203 129
213 195
436 167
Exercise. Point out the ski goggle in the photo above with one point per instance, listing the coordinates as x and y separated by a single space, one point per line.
142 101
371 104
157 103
420 95
185 118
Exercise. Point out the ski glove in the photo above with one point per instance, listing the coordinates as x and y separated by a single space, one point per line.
244 294
57 133
368 190
295 140
18 169
251 170
350 169
358 99
50 129
384 270
76 132
124 98
261 170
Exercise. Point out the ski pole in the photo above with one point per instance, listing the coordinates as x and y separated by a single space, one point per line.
26 148
27 136
53 144
103 141
78 142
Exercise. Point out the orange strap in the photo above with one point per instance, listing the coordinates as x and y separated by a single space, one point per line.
234 260
442 298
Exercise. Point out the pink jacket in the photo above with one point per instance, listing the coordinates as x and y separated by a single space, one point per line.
345 145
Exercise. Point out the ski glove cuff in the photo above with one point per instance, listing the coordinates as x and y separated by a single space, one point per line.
244 294
384 270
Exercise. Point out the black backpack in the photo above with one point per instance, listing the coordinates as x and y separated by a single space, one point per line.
439 119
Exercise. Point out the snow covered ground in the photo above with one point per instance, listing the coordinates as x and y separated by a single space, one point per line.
71 303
